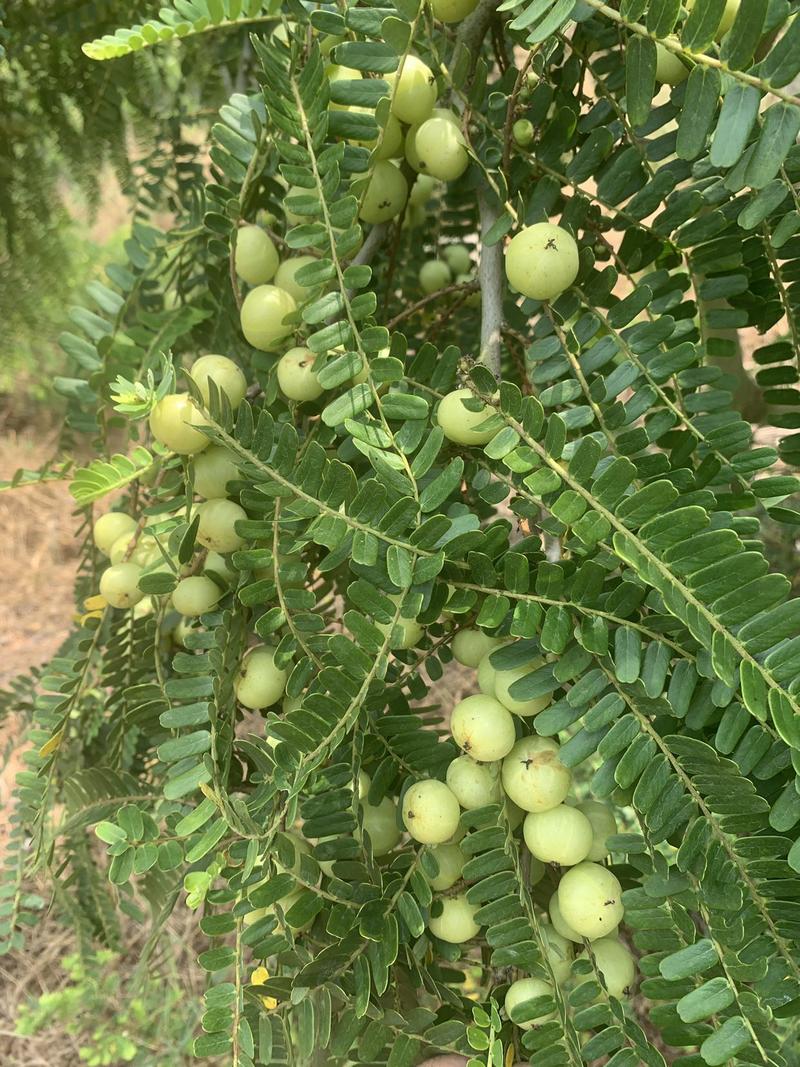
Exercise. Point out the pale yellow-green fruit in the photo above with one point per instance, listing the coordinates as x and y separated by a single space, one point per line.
389 142
260 683
470 646
615 964
296 376
173 421
286 277
523 132
216 529
405 633
213 469
434 275
474 784
119 585
452 10
256 257
414 91
108 529
558 950
286 903
144 553
414 217
457 258
451 862
224 373
301 848
533 775
603 823
430 812
422 190
728 15
456 924
385 195
440 148
461 425
217 563
486 675
380 822
670 70
482 728
292 218
337 73
542 261
527 989
561 835
195 595
590 900
557 919
505 679
265 310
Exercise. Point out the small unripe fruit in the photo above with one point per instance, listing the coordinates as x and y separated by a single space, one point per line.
615 964
380 822
110 527
224 373
470 646
474 784
217 527
441 150
430 812
451 862
557 919
523 132
218 564
195 595
590 900
456 924
505 679
145 552
670 70
335 72
533 776
414 91
487 675
172 423
459 423
457 258
434 275
260 683
213 469
452 10
263 316
292 218
603 825
561 835
119 585
422 190
482 728
728 16
385 195
542 261
296 376
256 257
527 989
558 950
286 277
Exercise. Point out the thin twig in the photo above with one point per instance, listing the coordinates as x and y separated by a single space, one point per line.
490 274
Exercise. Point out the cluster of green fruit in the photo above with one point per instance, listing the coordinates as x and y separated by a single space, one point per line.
455 265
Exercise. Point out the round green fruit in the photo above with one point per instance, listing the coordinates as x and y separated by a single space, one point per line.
422 190
337 73
590 900
523 132
670 69
216 529
461 425
434 275
380 822
542 261
414 91
430 812
385 195
172 423
195 595
264 312
450 860
292 218
405 633
224 373
260 683
216 563
457 258
456 923
527 989
296 376
487 675
559 925
603 825
615 964
561 835
286 277
109 528
452 10
558 950
533 775
728 16
144 553
256 257
119 585
482 728
440 149
213 469
502 685
474 784
470 646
